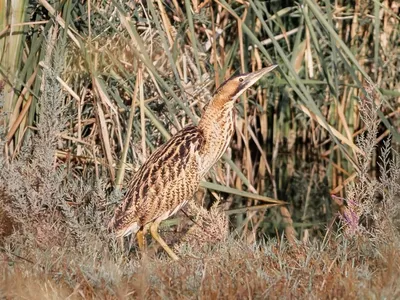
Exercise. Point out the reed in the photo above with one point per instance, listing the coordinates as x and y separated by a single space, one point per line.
133 73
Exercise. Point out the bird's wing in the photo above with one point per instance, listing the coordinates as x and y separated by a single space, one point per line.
168 177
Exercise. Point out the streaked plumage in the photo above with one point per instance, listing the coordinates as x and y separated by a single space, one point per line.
148 197
172 174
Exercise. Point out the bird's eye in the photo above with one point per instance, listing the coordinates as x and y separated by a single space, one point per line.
240 79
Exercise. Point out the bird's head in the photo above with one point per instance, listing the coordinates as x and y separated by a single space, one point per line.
231 89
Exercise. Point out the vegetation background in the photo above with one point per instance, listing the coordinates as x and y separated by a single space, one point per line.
90 88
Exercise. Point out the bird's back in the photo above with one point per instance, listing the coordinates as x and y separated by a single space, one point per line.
165 181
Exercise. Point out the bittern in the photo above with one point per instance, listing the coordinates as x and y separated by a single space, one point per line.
172 174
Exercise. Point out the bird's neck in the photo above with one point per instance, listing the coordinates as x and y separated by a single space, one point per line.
217 125
218 117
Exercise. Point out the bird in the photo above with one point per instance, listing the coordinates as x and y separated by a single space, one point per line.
171 175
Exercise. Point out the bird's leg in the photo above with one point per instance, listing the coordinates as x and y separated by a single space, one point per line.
140 239
157 237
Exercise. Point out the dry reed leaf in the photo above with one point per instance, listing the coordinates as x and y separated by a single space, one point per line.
21 97
106 140
60 21
333 130
298 56
22 114
343 185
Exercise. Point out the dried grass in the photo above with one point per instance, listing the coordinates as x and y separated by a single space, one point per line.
227 270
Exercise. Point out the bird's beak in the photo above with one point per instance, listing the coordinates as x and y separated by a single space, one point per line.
252 78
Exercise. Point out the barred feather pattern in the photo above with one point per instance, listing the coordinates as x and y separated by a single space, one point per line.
172 174
167 180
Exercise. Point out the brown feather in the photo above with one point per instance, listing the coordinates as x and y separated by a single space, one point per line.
172 174
176 164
